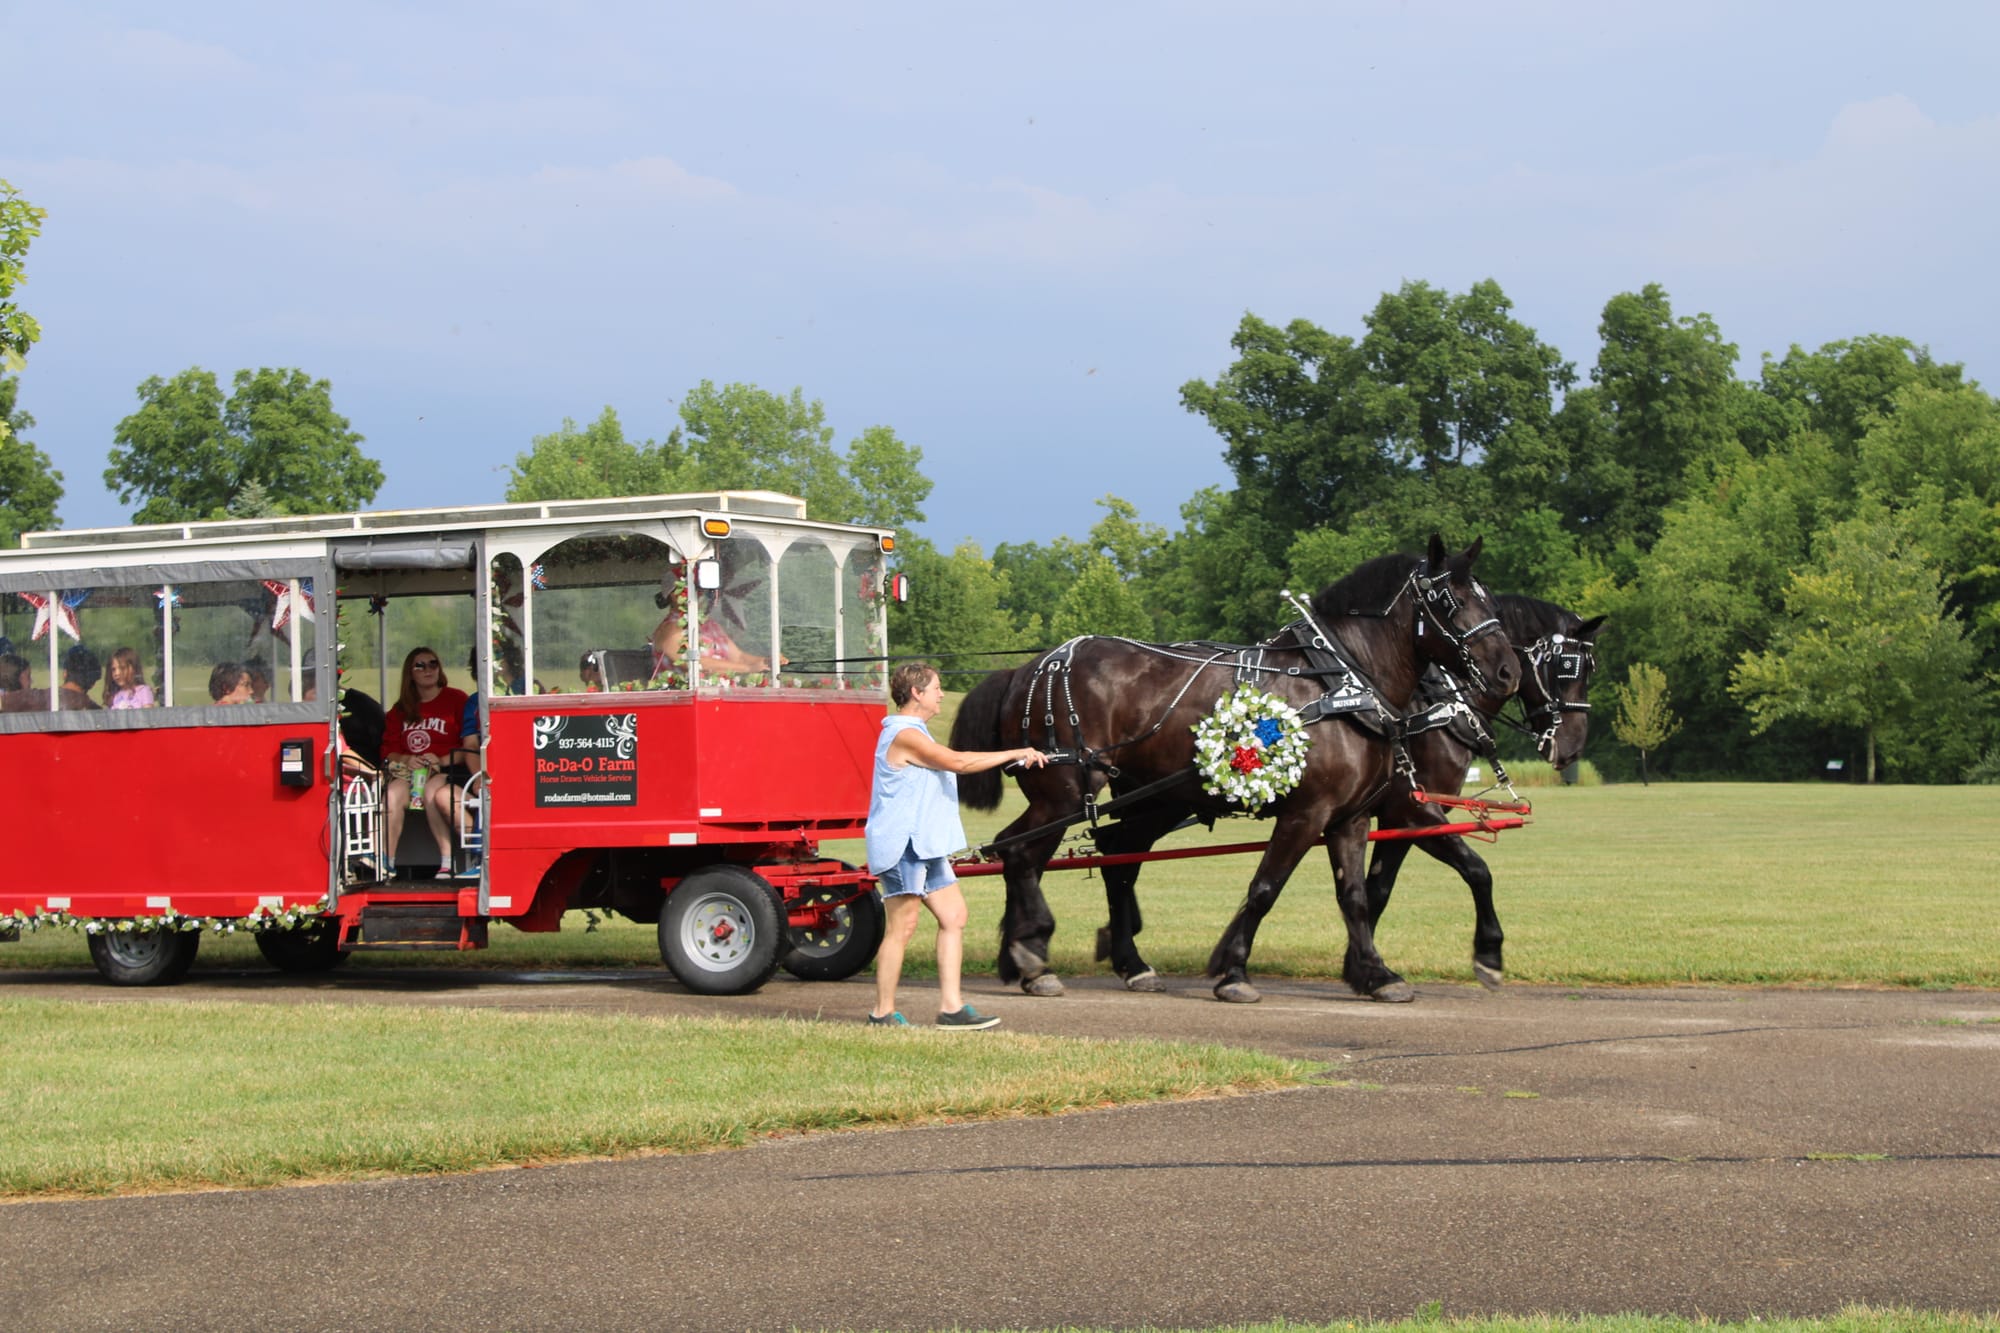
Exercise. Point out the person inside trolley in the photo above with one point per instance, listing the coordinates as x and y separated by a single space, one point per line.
229 683
125 682
422 729
80 671
445 790
720 654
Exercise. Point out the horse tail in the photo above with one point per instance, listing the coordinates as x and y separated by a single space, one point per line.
977 727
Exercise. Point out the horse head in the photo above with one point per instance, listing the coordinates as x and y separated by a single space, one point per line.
1557 653
1458 622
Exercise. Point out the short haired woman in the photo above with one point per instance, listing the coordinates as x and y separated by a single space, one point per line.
913 826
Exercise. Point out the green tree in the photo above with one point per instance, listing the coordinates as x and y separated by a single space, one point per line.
1645 718
1100 602
1291 414
187 453
1867 643
20 224
591 463
955 614
29 487
1932 459
1842 387
1664 399
735 437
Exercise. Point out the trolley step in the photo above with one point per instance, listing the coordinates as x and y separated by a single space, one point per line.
413 926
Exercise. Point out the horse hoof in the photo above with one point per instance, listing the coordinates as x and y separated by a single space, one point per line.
1149 980
1396 992
1489 977
1237 992
1046 984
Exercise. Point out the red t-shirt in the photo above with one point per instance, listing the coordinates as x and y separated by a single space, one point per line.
435 732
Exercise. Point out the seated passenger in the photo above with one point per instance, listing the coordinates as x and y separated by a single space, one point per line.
14 674
720 654
80 671
125 684
260 680
586 671
229 683
444 791
17 687
423 729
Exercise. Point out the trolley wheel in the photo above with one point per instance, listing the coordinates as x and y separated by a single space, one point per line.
841 947
315 948
721 931
144 957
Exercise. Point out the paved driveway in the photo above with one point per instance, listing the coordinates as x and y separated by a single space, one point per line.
1667 1151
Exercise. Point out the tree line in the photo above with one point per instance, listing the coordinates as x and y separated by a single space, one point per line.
1809 559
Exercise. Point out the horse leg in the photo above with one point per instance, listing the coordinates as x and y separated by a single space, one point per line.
1382 868
1026 923
1364 969
1487 937
1116 940
1229 962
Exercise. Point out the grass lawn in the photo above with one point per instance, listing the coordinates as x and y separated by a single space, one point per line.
217 1094
1721 884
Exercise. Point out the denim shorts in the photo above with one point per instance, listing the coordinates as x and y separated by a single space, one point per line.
921 875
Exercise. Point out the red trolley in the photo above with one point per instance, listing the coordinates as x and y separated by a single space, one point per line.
678 696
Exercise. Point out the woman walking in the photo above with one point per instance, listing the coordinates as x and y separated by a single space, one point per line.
912 827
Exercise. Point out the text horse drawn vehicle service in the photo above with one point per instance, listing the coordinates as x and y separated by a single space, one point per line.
664 705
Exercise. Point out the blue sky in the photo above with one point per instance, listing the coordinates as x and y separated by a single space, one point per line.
1008 232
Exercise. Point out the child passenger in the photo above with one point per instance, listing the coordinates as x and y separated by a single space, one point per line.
125 682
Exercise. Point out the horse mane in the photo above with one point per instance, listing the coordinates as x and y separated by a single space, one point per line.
1526 619
1368 590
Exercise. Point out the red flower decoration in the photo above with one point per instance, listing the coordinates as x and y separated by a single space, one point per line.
1246 760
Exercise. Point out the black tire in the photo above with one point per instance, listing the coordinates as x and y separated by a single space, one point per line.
844 948
314 948
144 957
722 930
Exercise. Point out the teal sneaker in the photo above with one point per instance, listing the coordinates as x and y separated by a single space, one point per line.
895 1020
967 1019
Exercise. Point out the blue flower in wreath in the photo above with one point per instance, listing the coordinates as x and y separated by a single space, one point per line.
1269 732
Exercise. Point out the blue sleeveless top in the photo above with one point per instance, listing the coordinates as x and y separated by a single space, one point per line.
910 807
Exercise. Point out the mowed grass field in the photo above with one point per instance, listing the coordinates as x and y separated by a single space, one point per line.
1716 884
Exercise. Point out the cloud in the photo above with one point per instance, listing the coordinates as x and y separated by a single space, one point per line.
151 51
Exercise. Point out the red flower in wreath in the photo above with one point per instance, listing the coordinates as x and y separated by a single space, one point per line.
1246 760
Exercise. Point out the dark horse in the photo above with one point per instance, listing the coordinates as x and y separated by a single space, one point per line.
1554 648
1125 712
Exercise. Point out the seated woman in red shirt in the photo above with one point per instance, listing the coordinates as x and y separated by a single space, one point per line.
419 734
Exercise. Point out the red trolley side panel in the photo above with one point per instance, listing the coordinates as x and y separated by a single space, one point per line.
136 822
710 769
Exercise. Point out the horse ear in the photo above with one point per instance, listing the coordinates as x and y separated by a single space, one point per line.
1472 552
1437 553
1588 629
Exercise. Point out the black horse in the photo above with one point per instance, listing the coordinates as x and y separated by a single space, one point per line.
1125 713
1555 650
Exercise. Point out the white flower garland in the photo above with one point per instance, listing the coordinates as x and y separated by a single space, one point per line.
1252 748
299 917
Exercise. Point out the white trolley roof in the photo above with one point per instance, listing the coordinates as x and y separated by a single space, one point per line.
67 548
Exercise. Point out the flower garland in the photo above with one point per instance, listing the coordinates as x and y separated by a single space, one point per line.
266 918
1251 748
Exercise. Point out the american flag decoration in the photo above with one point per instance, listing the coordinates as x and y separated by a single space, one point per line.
538 577
62 611
286 604
164 598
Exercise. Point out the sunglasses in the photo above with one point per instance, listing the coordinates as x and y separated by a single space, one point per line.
424 666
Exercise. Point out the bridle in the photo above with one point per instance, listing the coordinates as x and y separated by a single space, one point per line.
1552 660
1437 603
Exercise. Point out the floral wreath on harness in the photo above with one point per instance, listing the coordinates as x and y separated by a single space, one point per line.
1251 748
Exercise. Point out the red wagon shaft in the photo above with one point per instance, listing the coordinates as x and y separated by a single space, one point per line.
1485 825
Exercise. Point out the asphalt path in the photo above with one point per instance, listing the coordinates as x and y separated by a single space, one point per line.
1715 1152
